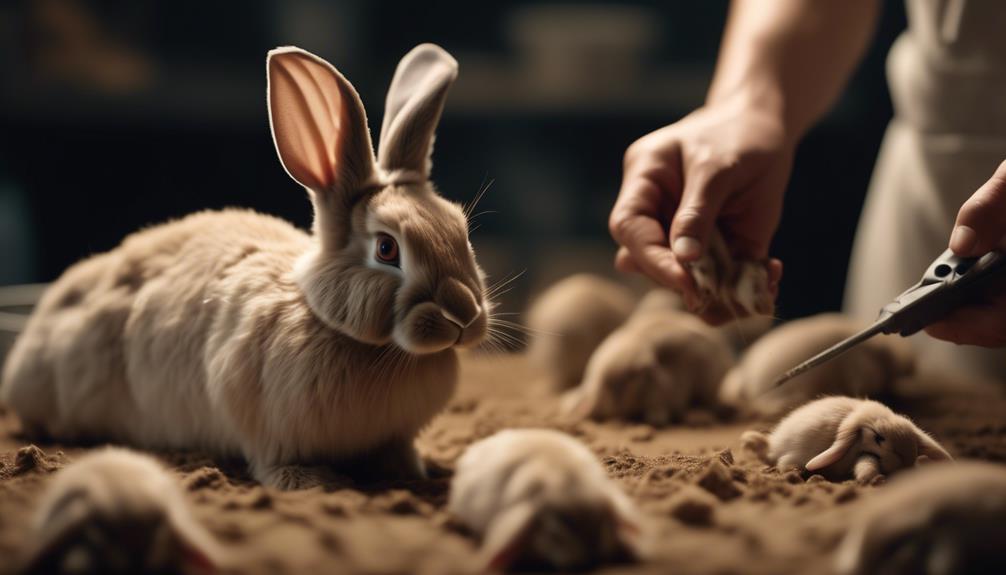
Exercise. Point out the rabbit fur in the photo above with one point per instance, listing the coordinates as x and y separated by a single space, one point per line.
843 438
868 370
936 520
539 498
236 333
569 320
653 368
729 289
118 511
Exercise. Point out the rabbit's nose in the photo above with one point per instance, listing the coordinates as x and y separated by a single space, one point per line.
457 303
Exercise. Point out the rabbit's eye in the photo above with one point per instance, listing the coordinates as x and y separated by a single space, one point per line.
879 439
386 250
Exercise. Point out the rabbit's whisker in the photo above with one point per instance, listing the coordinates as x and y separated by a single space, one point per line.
520 327
483 213
478 198
506 337
494 289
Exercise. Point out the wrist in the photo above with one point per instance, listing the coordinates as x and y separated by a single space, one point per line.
763 101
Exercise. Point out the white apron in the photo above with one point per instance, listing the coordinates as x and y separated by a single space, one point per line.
947 77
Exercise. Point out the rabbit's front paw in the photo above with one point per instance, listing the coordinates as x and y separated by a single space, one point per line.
867 470
757 443
293 477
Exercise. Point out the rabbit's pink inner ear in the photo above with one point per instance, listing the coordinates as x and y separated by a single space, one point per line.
843 442
507 536
197 561
318 122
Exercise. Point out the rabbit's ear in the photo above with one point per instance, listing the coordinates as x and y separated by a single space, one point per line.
195 547
60 534
415 101
318 124
507 536
631 531
930 448
578 403
844 440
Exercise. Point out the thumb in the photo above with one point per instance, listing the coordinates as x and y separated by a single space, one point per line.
695 217
981 221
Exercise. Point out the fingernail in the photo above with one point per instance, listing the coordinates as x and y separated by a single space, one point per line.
963 240
687 248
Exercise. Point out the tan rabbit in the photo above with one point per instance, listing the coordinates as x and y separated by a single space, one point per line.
937 520
569 320
236 333
117 511
868 370
653 368
540 499
844 438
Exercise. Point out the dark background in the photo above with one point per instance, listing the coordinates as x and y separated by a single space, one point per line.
116 114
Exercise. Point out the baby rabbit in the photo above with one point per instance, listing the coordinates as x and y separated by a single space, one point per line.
728 288
938 520
569 320
236 333
740 333
653 369
117 511
867 370
842 438
540 499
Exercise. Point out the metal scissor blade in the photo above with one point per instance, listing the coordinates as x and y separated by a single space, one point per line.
833 351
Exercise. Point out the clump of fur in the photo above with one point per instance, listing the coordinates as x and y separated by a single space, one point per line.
729 288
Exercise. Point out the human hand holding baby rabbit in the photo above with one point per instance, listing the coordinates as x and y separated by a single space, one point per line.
721 163
727 163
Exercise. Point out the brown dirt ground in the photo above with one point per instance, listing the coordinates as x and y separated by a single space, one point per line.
714 507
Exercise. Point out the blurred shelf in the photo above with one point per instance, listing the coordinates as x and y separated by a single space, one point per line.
488 86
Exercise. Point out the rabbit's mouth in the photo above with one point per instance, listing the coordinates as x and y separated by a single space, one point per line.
428 328
474 332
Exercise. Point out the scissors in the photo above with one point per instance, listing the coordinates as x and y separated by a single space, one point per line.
950 282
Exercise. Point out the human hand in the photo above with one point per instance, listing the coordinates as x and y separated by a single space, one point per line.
724 165
980 228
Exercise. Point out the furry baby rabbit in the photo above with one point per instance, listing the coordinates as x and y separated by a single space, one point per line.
937 520
653 368
539 499
842 438
118 511
234 332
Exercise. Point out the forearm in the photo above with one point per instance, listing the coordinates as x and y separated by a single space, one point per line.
791 58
